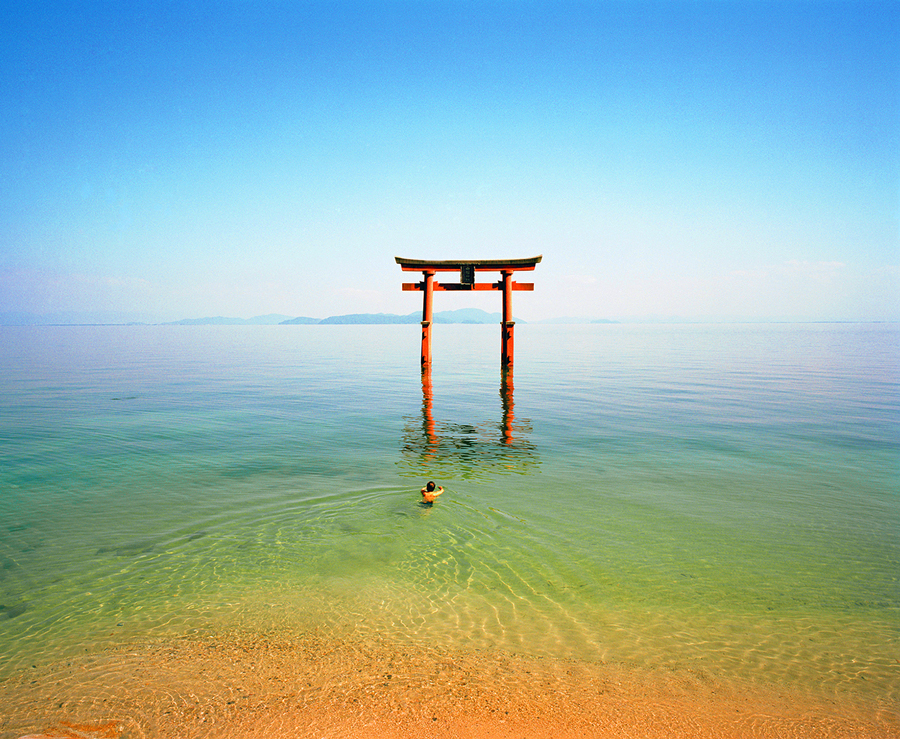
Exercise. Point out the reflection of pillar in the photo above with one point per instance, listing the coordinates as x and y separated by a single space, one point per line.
428 413
506 403
427 318
507 326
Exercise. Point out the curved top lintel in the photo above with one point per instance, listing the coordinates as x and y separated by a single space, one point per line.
480 265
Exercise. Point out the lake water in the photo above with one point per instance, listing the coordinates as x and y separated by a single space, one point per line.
722 497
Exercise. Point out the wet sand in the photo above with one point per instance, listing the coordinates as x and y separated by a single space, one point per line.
277 686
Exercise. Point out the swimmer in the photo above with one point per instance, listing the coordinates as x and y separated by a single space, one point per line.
429 493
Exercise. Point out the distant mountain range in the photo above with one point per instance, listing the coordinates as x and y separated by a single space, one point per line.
463 315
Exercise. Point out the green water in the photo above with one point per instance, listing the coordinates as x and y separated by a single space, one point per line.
715 497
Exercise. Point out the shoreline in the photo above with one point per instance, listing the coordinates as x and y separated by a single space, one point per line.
275 684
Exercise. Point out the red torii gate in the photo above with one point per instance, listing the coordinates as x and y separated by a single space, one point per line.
467 270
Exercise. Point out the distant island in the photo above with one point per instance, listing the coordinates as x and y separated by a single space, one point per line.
269 320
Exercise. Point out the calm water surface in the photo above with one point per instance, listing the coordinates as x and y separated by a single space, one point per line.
705 496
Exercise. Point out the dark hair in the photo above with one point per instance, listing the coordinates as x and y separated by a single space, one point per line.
430 486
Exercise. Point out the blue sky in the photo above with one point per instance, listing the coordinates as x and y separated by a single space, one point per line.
703 160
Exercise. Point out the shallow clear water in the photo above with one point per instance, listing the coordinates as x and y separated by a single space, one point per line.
709 496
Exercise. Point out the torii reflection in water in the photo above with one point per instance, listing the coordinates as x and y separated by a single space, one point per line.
467 450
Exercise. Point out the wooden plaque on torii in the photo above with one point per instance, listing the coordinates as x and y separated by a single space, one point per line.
467 270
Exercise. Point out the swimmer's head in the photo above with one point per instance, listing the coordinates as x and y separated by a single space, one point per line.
430 487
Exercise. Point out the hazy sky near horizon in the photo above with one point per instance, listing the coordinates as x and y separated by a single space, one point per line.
720 159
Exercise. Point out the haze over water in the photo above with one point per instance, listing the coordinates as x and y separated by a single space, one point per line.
719 497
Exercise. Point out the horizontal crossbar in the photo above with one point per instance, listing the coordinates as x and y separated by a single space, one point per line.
444 286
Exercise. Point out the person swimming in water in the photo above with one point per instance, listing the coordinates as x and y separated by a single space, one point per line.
429 493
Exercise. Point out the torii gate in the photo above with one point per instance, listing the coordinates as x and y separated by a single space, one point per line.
467 270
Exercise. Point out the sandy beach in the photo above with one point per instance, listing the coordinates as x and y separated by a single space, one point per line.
275 685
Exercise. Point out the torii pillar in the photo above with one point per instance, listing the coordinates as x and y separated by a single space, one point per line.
507 325
427 315
467 270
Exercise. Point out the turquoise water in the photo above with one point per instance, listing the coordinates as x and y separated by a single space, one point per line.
720 497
